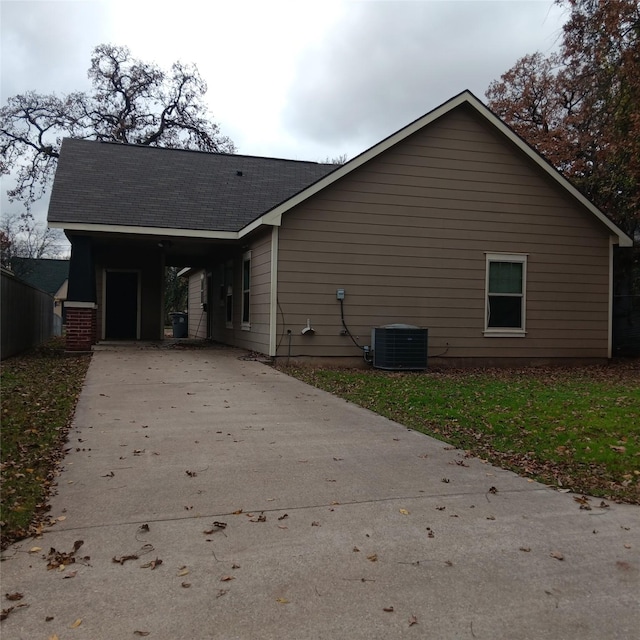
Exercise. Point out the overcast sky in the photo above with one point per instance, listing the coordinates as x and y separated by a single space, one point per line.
302 79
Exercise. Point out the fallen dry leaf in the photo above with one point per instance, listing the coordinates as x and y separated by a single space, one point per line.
141 633
282 517
35 549
235 565
71 574
4 614
14 596
373 557
222 592
184 572
185 585
388 609
237 512
282 601
76 624
525 549
227 578
404 512
315 523
557 555
260 518
413 620
151 565
123 559
57 559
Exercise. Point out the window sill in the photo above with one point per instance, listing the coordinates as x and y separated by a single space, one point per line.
229 325
504 333
245 327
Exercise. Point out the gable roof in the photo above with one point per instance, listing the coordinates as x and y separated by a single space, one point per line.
42 273
134 189
120 185
274 216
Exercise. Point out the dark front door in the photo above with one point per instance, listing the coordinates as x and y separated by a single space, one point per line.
121 305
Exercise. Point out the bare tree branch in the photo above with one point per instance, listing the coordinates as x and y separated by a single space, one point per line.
131 102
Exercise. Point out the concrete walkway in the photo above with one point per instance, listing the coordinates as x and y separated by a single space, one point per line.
339 524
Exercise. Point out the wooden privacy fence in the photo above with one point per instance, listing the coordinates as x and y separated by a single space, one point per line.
26 315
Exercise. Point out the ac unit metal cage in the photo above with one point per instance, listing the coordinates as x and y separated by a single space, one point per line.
399 347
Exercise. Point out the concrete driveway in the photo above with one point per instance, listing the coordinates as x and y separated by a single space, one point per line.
332 523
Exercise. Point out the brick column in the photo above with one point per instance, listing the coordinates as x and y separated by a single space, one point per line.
81 326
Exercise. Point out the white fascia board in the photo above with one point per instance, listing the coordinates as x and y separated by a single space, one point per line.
258 222
274 217
148 231
184 272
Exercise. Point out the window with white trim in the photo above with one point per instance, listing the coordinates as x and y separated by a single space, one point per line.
505 300
203 290
246 290
228 287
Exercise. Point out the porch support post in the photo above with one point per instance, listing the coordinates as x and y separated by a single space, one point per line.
81 307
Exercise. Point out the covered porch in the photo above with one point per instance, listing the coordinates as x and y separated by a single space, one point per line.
117 282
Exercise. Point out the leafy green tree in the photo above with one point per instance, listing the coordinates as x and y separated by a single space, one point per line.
175 291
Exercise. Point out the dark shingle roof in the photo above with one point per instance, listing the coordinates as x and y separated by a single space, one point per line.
116 184
42 273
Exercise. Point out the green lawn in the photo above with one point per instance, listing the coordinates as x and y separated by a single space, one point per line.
39 394
577 428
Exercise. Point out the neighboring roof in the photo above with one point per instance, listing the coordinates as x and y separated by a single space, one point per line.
466 97
42 273
100 183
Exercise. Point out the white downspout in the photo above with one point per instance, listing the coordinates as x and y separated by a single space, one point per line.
273 302
612 240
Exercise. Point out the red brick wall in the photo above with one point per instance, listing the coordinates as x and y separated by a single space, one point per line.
81 329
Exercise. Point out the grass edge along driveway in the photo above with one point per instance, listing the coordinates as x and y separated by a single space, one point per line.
40 389
574 428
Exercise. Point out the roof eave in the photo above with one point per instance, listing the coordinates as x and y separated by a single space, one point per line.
150 231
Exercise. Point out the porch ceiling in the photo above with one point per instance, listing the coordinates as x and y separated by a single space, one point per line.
178 251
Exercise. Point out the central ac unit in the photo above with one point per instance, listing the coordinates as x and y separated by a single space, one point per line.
399 347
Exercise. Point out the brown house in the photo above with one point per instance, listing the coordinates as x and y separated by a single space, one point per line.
452 224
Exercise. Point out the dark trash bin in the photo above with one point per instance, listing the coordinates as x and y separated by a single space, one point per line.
180 324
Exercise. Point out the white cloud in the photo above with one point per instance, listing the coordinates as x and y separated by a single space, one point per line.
390 62
304 79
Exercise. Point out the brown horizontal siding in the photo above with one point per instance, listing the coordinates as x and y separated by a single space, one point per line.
406 236
257 337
